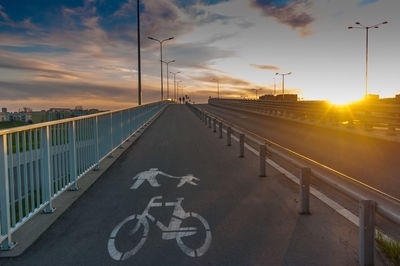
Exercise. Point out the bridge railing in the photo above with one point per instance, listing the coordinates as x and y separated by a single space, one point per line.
365 114
39 162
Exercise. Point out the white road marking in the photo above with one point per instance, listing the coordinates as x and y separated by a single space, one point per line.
151 177
174 230
318 194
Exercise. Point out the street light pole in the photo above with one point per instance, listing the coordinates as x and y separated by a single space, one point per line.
274 86
283 82
161 61
167 63
139 56
366 28
175 91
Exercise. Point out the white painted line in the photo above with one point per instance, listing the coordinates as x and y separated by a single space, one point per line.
316 193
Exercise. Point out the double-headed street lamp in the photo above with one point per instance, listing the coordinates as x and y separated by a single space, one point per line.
167 63
256 92
161 61
366 28
283 82
175 92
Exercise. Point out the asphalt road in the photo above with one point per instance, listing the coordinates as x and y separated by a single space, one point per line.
226 215
372 161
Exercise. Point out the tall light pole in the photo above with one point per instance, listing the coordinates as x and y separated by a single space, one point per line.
366 28
167 63
217 80
283 82
175 92
139 56
161 62
274 86
256 92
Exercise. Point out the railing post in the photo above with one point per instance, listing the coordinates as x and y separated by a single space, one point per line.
367 232
47 186
7 244
228 136
96 139
220 129
209 122
205 119
214 125
263 154
241 145
305 190
72 155
121 132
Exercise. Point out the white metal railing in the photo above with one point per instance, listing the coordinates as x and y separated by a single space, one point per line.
39 162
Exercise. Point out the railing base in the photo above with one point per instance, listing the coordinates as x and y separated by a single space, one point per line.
6 246
48 211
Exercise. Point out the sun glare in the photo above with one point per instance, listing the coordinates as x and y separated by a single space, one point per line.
340 100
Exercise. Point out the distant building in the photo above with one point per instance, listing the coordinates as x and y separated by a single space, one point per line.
4 110
373 97
3 116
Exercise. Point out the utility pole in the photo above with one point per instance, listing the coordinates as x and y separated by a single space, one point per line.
139 56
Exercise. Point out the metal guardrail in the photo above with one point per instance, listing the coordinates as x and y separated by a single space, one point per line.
369 198
364 114
387 205
39 162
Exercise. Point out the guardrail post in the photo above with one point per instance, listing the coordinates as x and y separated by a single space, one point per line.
72 155
205 119
7 244
305 190
214 125
96 146
209 122
263 154
220 129
367 232
241 145
47 186
228 136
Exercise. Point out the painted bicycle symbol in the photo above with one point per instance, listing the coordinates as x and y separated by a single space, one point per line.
139 223
151 177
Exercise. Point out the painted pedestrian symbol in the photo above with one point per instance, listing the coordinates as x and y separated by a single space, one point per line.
174 230
151 177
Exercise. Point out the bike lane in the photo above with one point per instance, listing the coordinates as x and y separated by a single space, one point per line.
179 196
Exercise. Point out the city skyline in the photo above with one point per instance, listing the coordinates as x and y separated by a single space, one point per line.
70 52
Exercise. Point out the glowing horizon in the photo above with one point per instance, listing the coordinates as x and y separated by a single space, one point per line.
83 52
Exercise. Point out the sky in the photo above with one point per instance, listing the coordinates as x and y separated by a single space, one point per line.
64 53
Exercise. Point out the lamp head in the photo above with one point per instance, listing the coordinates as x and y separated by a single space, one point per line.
385 22
358 23
289 73
349 28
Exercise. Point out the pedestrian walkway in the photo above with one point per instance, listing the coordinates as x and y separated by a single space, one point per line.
180 196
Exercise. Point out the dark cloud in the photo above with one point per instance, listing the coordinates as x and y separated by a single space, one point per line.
42 68
265 67
291 13
14 90
211 78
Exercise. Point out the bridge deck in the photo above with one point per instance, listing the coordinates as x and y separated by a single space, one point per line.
252 220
